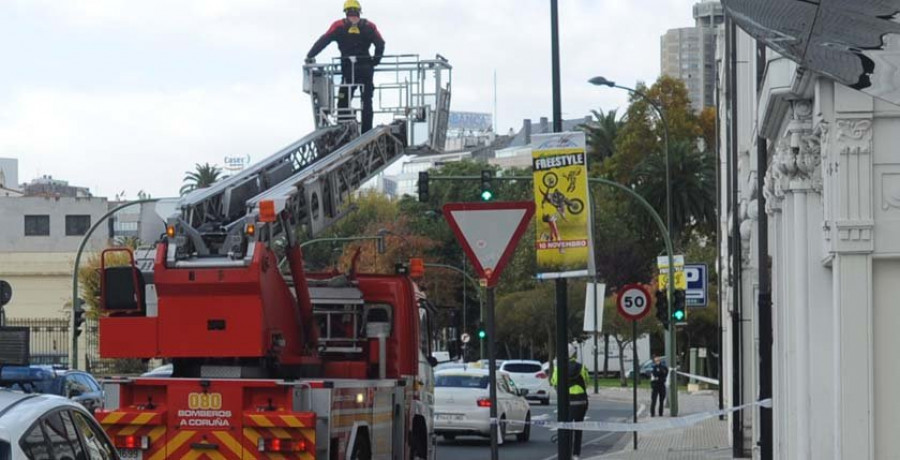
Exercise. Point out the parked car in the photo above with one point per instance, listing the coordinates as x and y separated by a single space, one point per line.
462 405
530 376
76 385
450 365
162 371
40 426
645 369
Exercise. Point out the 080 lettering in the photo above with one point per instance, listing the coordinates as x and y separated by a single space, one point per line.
205 401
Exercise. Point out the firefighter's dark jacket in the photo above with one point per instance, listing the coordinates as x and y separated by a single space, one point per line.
352 40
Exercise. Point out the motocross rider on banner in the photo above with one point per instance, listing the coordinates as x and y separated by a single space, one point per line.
354 36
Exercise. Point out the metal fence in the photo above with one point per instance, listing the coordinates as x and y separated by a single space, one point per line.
49 339
50 342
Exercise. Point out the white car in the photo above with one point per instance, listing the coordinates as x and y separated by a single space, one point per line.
39 426
462 405
531 376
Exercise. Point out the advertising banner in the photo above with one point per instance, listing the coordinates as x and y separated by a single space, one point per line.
562 206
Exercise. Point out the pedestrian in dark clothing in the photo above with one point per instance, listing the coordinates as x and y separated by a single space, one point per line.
658 376
354 37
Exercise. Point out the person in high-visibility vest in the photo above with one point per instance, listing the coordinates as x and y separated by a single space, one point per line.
578 398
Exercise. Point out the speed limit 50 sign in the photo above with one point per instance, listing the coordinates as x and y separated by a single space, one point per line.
633 301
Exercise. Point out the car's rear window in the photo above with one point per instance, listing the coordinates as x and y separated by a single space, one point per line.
461 381
522 368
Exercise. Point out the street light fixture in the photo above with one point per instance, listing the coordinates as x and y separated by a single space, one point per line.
602 81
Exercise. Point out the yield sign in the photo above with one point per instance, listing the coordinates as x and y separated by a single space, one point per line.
489 232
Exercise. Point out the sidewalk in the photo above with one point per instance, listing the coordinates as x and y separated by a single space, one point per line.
705 440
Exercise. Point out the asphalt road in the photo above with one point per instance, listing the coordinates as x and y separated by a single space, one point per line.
540 447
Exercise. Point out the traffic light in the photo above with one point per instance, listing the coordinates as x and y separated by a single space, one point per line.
662 308
423 186
487 185
5 293
678 312
78 313
482 333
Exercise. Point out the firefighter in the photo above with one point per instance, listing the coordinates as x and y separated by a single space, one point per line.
354 37
578 398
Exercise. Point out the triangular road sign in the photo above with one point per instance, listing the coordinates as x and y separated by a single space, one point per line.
489 232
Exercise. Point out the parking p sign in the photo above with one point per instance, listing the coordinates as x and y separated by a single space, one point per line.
695 295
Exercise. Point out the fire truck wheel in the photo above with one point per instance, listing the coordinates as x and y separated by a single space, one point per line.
419 441
362 450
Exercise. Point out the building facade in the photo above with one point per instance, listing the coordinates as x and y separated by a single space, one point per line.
689 53
39 237
831 194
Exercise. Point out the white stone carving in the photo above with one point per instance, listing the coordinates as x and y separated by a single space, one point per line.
890 191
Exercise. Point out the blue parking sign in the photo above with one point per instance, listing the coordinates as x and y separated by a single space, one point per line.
695 295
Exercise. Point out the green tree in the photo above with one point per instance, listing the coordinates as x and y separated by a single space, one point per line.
601 136
693 179
203 176
620 329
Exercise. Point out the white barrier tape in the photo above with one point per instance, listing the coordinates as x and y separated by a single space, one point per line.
699 377
643 427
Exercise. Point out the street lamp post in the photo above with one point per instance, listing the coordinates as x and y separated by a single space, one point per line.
670 342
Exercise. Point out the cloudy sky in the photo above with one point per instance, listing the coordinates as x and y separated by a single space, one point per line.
119 95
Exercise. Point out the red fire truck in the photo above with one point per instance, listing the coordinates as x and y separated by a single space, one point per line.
271 361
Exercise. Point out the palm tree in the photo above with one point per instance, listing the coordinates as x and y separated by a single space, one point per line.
693 187
203 176
601 135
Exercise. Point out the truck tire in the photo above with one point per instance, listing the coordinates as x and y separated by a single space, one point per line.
362 449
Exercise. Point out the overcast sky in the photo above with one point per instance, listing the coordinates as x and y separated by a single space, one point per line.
121 95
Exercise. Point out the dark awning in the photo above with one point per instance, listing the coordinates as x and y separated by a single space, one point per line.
855 42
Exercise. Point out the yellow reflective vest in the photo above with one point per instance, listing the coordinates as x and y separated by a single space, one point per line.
574 388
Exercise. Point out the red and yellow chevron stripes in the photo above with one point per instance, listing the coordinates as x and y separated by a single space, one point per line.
276 419
308 435
130 417
135 423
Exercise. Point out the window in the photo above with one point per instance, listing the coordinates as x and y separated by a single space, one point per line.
97 446
462 381
77 225
71 434
59 437
522 368
88 381
37 225
35 445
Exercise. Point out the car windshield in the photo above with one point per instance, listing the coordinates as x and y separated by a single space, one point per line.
461 381
522 368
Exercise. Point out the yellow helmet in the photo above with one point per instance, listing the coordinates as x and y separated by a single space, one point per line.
352 5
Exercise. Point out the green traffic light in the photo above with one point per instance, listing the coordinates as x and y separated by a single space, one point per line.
481 334
487 195
678 315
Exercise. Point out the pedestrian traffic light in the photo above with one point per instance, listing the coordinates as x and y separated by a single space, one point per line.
678 312
662 308
78 314
423 186
481 332
487 186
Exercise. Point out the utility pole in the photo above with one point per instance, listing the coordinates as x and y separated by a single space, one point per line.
564 439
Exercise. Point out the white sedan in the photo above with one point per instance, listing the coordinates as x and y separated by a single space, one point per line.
462 405
529 375
37 426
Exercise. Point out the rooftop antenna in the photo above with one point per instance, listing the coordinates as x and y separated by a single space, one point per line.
495 101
